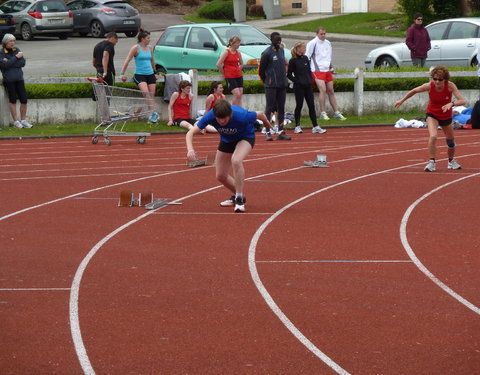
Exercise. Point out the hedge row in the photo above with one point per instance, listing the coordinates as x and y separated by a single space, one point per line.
84 90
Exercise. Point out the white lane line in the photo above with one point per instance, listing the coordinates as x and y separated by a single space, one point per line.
30 289
252 264
230 212
335 261
412 255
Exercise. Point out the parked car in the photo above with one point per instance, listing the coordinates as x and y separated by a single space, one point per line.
454 43
199 46
7 24
100 16
39 17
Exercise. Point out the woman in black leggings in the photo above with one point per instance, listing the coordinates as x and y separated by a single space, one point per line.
300 74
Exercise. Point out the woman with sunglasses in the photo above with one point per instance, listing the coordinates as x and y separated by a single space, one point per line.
418 41
439 112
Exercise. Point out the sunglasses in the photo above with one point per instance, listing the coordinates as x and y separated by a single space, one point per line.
419 19
438 79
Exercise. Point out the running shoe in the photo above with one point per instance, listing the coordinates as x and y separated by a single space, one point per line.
430 167
275 130
17 124
298 129
229 202
25 124
153 117
240 204
339 115
264 130
318 130
323 116
268 137
454 165
283 136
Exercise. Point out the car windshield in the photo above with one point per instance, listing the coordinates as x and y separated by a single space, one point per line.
248 35
50 6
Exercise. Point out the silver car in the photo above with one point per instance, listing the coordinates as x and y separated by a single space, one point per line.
100 16
454 43
39 17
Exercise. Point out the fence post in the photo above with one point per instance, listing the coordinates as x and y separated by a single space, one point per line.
4 108
358 91
193 73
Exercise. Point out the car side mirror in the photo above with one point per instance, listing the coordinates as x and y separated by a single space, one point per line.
210 45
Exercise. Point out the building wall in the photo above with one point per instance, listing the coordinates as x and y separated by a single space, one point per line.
290 6
373 6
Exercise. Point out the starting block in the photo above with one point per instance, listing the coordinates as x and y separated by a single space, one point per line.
157 203
210 160
126 199
145 198
321 162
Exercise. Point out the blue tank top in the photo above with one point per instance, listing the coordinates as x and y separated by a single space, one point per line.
143 62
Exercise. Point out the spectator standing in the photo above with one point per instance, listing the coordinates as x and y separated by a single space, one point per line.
319 51
144 76
300 74
103 54
418 41
237 138
230 64
11 63
439 113
273 72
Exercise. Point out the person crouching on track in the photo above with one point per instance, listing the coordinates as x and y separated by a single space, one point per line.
237 138
439 113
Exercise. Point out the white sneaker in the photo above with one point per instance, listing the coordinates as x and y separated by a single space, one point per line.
240 204
229 202
323 116
298 130
25 124
318 130
454 165
275 130
18 124
430 167
339 115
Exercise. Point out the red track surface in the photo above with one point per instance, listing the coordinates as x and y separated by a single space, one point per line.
369 266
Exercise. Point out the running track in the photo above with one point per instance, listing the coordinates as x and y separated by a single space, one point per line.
369 266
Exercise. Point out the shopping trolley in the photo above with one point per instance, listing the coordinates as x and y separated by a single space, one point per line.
116 106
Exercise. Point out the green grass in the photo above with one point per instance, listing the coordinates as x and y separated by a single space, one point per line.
57 130
380 24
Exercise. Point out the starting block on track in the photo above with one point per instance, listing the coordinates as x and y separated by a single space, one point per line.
126 199
157 203
210 160
321 162
144 198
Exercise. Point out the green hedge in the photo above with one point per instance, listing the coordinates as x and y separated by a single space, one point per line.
84 90
217 10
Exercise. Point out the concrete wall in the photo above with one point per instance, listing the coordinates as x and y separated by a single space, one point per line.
60 111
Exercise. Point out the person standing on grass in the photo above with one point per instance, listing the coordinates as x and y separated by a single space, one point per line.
230 64
300 74
439 113
103 54
273 72
418 41
319 51
144 76
11 64
237 138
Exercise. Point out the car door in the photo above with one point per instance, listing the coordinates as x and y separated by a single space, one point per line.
436 31
458 47
201 50
169 49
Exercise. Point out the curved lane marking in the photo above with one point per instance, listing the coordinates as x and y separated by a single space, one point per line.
416 261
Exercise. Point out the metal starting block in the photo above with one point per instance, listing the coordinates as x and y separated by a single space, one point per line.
210 160
157 203
126 199
321 162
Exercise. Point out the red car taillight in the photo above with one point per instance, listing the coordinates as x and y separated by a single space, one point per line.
108 11
36 15
70 14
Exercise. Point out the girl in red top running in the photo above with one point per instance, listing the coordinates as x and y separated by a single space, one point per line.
230 64
439 112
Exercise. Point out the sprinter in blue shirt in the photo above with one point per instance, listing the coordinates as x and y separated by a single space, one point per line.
235 126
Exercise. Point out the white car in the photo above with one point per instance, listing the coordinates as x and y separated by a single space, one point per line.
454 43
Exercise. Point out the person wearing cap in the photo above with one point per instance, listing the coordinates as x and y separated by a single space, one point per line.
11 64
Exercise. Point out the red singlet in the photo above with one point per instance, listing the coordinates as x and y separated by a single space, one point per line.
437 100
181 107
231 68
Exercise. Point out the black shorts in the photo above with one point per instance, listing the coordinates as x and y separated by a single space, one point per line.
16 90
229 147
234 83
177 121
440 122
149 79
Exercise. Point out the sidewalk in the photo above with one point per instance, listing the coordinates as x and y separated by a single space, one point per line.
268 26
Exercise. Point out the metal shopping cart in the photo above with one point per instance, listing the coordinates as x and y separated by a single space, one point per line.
116 106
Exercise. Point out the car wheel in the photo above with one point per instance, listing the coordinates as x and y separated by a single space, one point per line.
26 32
131 34
386 62
97 30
